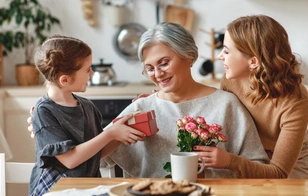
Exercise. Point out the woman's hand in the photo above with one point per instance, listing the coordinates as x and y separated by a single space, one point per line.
125 134
29 121
213 156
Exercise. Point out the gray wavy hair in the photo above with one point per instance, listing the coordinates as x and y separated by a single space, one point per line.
179 39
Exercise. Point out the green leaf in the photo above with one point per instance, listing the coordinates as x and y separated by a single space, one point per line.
185 141
27 23
54 20
35 2
18 19
167 166
31 18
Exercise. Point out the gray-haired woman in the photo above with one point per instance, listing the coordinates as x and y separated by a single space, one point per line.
167 53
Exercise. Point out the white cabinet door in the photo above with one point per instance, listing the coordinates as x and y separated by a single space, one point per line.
16 111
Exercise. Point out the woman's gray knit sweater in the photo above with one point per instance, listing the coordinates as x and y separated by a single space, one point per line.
145 159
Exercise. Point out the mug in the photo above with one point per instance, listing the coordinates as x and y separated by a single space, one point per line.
184 165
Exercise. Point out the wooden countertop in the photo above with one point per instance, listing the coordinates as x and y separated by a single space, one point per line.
221 187
128 89
131 89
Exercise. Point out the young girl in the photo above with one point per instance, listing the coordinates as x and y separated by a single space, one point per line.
70 140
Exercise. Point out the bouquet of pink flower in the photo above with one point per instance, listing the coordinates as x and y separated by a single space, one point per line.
194 132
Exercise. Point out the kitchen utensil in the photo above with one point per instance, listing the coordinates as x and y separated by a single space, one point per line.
88 14
117 14
180 15
103 74
206 67
219 40
157 11
127 40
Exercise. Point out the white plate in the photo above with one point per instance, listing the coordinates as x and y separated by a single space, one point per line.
119 190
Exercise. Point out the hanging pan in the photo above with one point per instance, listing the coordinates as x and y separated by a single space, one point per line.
206 67
127 40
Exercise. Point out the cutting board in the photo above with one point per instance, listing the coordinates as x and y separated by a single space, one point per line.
180 15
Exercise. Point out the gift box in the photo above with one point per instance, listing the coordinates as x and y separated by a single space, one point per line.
143 121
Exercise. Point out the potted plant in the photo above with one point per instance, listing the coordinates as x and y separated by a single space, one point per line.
33 23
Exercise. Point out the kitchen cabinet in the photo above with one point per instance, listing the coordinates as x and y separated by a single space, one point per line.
16 112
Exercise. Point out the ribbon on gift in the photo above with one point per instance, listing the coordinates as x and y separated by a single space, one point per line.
132 120
152 114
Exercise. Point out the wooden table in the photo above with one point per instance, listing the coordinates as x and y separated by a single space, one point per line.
221 187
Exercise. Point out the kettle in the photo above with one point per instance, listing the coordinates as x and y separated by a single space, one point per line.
103 74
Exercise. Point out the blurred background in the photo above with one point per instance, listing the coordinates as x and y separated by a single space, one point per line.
108 16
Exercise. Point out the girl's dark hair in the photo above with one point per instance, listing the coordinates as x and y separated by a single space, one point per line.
60 55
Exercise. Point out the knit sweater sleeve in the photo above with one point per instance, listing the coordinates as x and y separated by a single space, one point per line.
244 168
293 126
282 129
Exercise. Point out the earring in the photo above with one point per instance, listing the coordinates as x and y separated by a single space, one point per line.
250 68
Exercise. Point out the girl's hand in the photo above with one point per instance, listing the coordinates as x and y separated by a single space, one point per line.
29 121
124 133
213 156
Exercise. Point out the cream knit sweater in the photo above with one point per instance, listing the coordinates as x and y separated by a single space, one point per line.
145 159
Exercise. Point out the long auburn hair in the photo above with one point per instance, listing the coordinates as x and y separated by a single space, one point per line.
263 37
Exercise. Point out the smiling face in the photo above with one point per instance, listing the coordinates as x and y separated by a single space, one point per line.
236 64
157 57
